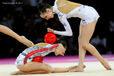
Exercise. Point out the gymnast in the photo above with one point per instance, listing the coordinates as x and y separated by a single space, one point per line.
30 61
89 17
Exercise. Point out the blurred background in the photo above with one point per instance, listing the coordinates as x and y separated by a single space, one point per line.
22 17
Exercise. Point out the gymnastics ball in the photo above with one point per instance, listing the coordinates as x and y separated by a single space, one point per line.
50 38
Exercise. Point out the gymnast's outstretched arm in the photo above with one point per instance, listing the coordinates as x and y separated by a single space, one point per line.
11 33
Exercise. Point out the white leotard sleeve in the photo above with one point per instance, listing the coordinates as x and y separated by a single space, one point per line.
68 31
63 19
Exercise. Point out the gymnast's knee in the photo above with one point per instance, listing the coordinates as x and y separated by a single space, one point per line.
83 43
22 68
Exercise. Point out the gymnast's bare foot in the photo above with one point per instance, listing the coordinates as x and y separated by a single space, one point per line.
76 68
79 69
106 65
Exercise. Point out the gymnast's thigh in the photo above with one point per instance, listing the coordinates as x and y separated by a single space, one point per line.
34 66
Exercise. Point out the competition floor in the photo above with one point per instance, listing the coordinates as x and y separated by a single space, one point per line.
93 67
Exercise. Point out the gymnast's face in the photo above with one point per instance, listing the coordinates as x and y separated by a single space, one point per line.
48 14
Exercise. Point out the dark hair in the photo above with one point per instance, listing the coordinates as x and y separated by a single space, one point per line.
42 7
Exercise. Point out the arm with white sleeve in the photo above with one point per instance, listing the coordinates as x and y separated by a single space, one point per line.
68 30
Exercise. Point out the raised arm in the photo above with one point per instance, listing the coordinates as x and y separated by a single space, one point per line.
11 33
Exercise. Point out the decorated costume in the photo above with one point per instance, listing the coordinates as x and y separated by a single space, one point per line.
66 9
35 53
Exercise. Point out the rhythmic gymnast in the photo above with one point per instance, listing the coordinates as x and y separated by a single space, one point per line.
30 61
11 33
89 17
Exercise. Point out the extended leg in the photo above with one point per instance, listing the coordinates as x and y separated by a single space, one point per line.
84 38
38 68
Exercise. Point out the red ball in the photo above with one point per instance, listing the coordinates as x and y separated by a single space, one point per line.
50 38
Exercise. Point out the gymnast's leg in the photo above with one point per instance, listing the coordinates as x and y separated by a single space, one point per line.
85 35
38 68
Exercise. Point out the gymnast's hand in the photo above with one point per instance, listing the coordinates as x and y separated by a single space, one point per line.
60 50
50 30
27 42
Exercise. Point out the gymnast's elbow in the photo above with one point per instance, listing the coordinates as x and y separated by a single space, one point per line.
69 34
